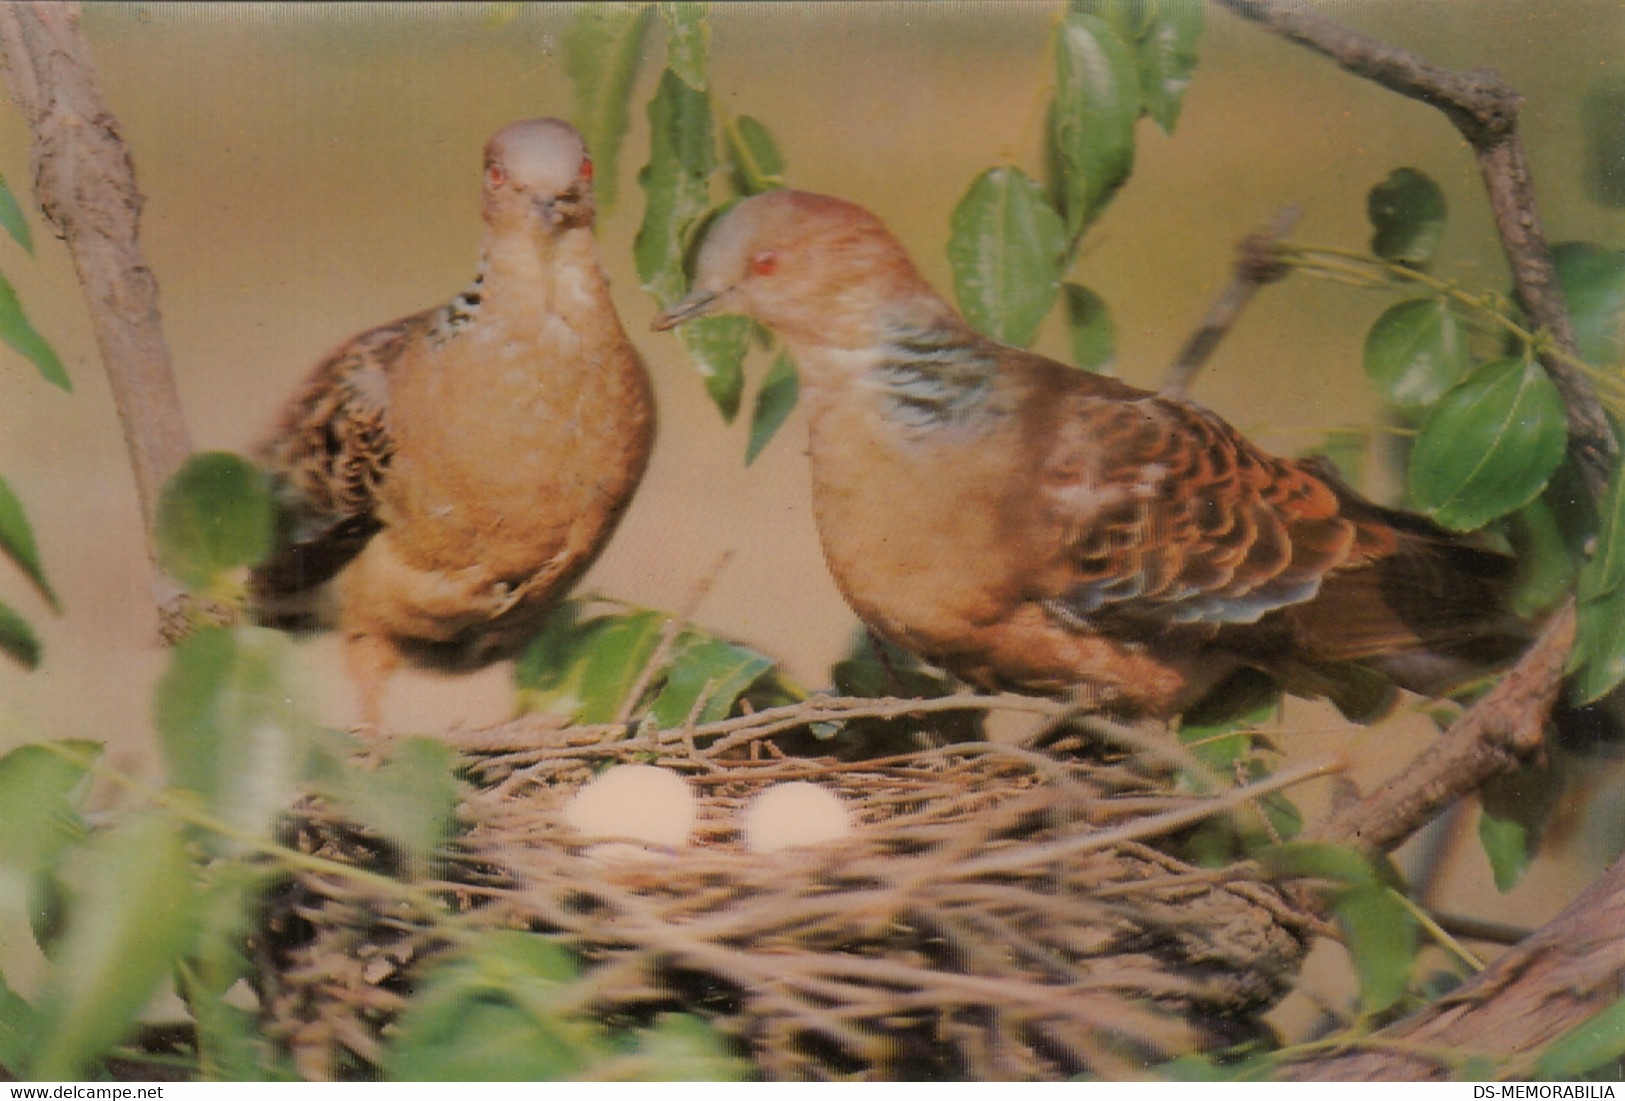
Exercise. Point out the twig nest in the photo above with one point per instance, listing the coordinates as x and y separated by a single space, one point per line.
789 815
636 802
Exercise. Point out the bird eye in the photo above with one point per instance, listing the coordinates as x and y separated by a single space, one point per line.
586 168
495 175
764 263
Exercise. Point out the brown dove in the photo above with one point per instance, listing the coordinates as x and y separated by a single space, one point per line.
454 471
1029 526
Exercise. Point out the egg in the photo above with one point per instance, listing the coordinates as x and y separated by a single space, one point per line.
788 815
640 802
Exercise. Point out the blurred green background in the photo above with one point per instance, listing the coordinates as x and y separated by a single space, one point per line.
312 170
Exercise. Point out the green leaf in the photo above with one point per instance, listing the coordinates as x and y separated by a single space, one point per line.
17 542
1407 212
1166 57
37 817
585 669
17 639
1089 324
688 41
710 668
1593 282
19 1023
215 514
495 1012
1489 445
229 726
1506 843
1598 662
717 346
1006 250
132 912
1416 352
602 47
411 798
680 1047
1602 116
1546 570
12 220
682 156
1349 452
1091 130
17 332
757 163
1319 860
1586 1047
781 388
1380 932
1217 731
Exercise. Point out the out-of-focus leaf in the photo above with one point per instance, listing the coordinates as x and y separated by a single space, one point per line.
1603 117
718 346
1089 324
1416 351
215 514
18 1026
133 911
495 1012
17 541
38 821
689 42
601 50
679 1047
1545 566
1506 843
1597 664
410 798
1593 282
585 669
1362 694
1380 932
17 639
1006 249
1097 99
781 388
1349 452
1319 860
229 726
1604 571
682 156
12 220
1217 731
1407 212
758 164
1598 1040
1166 56
1489 445
710 668
23 339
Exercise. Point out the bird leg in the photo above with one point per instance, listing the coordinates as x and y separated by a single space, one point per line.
370 659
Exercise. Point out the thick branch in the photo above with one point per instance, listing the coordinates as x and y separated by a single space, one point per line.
86 188
1485 111
1558 977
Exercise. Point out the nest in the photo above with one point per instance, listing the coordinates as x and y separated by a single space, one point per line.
992 916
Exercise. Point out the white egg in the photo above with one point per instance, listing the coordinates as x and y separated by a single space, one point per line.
634 801
787 815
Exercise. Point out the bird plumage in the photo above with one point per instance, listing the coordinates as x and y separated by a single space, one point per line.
1027 525
456 469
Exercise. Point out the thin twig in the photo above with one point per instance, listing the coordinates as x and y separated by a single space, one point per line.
1256 265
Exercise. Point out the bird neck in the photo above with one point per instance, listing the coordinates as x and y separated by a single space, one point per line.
935 373
530 275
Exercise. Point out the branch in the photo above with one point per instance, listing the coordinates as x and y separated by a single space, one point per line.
1485 111
85 184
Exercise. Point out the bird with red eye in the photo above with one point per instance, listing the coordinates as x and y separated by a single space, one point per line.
1030 526
453 472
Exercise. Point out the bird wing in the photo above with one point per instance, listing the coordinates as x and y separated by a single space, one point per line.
1169 516
329 456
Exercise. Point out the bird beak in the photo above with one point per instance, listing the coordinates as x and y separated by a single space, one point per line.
697 304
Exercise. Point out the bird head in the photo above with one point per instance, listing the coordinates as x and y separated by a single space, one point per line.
812 268
539 168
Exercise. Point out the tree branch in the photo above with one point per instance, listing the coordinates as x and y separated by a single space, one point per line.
1485 111
85 185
